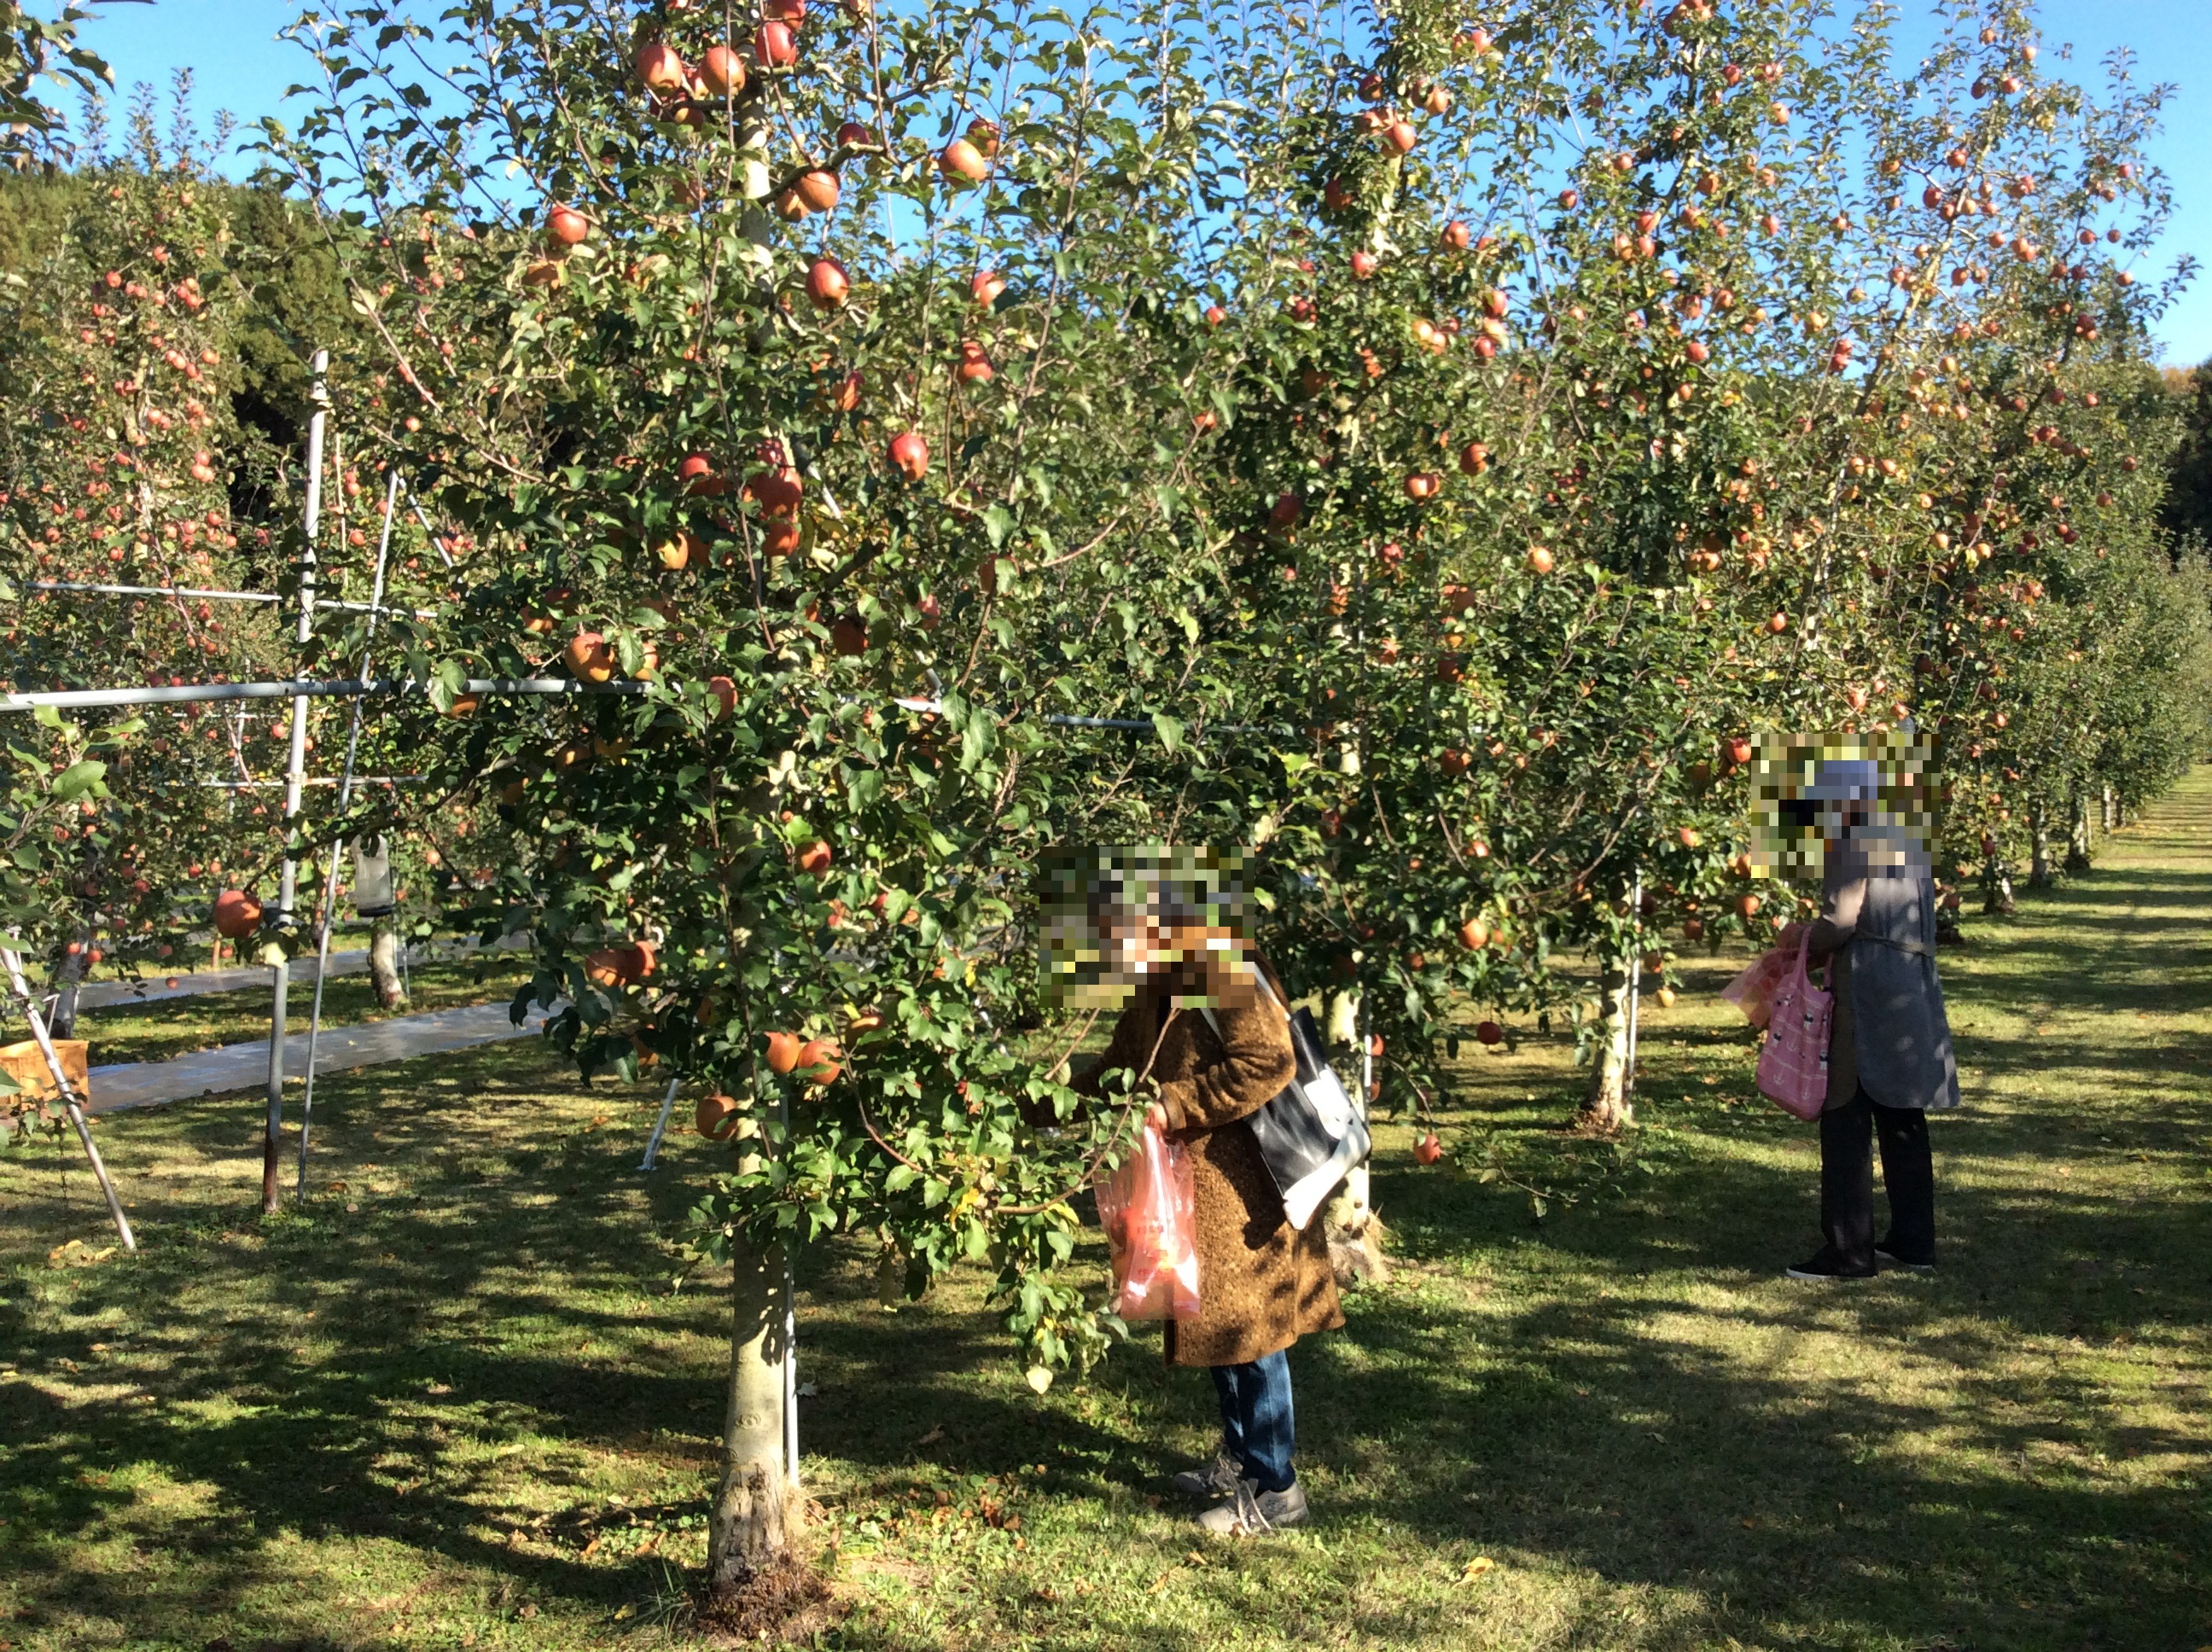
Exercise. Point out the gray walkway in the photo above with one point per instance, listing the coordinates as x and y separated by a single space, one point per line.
246 1066
104 994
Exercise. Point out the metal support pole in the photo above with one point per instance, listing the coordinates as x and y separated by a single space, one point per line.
660 1128
14 963
287 887
345 801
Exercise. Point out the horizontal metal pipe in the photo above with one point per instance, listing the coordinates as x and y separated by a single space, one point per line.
309 779
213 595
66 698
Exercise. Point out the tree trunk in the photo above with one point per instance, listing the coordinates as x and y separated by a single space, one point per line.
2078 840
2039 832
1605 1106
60 1022
756 1510
2111 809
1996 889
384 965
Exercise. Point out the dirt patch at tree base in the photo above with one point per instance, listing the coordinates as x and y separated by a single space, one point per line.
786 1601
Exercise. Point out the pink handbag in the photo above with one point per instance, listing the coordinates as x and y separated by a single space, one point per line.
1793 1068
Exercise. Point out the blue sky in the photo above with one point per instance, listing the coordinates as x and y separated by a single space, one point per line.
231 46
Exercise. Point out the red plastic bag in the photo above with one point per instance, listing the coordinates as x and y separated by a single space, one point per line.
1148 1210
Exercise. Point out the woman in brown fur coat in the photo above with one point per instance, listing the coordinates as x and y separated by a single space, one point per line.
1261 1283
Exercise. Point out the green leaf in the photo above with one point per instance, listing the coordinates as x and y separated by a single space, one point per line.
1170 729
77 780
997 522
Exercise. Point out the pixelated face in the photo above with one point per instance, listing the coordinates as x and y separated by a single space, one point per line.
1116 917
1816 796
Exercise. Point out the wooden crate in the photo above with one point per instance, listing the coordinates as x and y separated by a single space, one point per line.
25 1065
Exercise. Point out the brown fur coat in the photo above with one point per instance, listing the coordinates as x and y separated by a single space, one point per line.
1261 1284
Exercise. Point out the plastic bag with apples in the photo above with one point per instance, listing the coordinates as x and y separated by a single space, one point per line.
1147 1208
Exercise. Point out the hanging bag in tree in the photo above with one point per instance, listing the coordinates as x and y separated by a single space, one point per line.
1313 1132
1793 1068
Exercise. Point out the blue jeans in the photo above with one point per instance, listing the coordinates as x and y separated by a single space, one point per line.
1255 1418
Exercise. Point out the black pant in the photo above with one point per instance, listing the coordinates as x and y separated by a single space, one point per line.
1847 1181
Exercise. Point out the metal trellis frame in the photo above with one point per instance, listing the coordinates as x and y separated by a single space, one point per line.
209 595
331 881
280 967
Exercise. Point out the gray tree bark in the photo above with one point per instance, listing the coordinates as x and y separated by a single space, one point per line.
2038 831
756 1508
2078 840
384 965
62 1021
1606 1105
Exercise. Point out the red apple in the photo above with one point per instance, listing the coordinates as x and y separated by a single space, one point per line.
659 67
589 657
1474 458
1428 1150
960 159
1538 560
975 367
777 492
237 914
567 225
725 693
910 453
717 1116
783 1049
815 857
827 284
985 286
773 46
721 71
1490 1033
819 1061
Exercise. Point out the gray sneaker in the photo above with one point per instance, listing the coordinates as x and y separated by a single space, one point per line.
1217 1480
1252 1511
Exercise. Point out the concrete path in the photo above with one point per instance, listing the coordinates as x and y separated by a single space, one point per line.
246 1066
104 994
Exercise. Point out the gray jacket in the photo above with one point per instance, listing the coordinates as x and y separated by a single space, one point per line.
1891 1036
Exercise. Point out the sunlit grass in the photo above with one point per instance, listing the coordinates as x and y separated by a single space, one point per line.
454 1402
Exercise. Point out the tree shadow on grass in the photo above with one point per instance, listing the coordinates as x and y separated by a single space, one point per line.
1625 1391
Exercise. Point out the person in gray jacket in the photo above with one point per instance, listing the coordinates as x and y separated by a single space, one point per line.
1890 1060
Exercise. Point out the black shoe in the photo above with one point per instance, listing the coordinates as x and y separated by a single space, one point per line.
1888 1258
1826 1265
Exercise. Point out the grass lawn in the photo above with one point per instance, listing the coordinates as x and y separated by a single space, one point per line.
177 1026
455 1403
